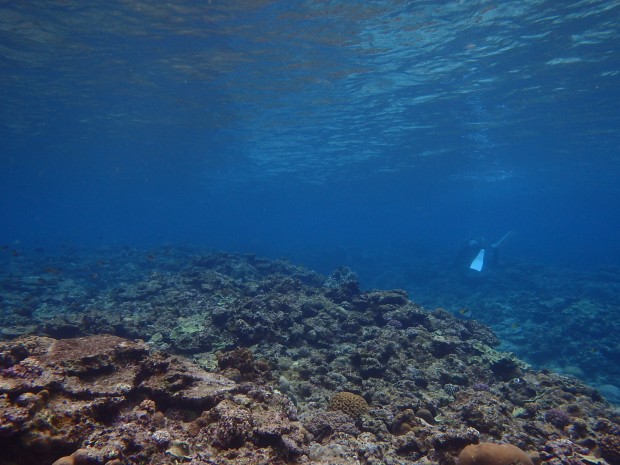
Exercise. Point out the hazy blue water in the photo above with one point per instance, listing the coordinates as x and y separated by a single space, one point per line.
328 131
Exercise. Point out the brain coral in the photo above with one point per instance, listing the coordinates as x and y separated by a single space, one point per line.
488 453
349 403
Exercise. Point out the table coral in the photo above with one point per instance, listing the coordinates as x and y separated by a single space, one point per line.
105 393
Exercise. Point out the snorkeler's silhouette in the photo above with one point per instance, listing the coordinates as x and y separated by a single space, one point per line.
477 255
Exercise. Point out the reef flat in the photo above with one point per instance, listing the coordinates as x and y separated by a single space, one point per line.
184 356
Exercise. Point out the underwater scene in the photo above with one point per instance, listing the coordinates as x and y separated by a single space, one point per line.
268 232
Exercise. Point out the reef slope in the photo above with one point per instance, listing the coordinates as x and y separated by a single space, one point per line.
254 361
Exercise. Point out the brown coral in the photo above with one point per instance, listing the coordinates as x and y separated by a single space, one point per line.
79 457
239 365
349 403
488 453
610 448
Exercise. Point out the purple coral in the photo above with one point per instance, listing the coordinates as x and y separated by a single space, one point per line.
480 387
557 417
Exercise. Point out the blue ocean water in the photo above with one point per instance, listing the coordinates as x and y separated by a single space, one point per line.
313 129
377 135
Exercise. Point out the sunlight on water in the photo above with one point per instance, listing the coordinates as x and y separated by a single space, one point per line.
301 81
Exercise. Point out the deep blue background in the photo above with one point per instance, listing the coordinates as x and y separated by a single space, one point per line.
329 133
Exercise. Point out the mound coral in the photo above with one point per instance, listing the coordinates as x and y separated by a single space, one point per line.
79 457
349 403
488 453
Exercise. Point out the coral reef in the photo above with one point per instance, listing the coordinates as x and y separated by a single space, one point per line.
254 361
116 400
559 317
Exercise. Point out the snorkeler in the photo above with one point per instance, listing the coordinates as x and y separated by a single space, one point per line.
477 255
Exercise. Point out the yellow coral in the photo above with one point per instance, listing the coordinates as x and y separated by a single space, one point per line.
349 403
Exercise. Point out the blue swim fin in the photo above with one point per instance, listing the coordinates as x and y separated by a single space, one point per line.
477 263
